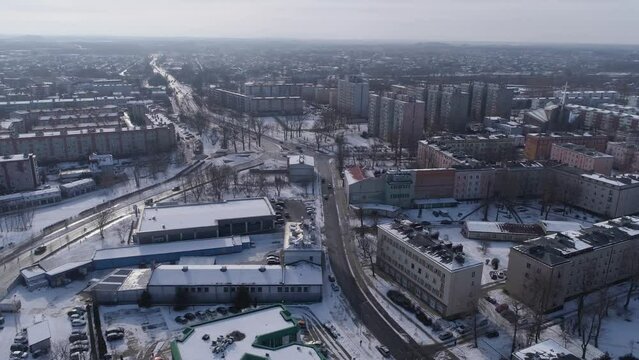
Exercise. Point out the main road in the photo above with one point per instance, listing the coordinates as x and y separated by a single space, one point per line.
339 242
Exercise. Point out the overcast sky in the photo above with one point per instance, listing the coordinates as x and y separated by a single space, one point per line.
564 21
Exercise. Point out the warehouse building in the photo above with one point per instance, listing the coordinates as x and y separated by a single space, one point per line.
167 252
162 223
301 168
39 336
122 286
211 284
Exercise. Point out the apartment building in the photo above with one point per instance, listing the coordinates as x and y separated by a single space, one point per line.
611 196
269 89
258 105
437 272
18 172
625 156
582 158
74 145
352 96
499 101
454 109
545 272
396 118
539 146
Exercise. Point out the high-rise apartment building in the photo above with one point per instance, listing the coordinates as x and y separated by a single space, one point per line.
396 118
499 101
352 96
454 108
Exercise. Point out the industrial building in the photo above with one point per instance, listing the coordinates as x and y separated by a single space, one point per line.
301 245
122 286
214 284
269 333
30 199
162 223
301 168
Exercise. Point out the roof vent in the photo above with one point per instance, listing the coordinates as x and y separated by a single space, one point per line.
262 268
223 269
185 268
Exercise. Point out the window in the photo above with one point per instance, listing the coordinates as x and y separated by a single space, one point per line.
306 289
279 289
259 289
527 265
206 289
226 289
473 274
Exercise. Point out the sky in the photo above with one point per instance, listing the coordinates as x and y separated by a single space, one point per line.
520 21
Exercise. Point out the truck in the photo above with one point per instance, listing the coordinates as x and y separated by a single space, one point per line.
9 305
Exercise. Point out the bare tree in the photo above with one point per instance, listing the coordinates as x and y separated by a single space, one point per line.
367 247
517 309
341 153
103 218
122 230
278 183
24 218
318 133
631 263
586 330
60 351
219 178
194 182
257 124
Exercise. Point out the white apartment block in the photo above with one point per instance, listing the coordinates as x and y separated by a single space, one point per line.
546 271
438 273
352 97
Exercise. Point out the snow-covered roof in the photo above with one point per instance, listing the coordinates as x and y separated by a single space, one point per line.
546 350
503 228
32 271
252 324
40 194
301 274
15 157
77 183
67 267
295 237
552 226
301 160
171 217
38 332
169 247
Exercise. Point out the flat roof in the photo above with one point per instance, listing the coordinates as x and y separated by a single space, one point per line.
300 274
252 324
15 157
169 247
296 238
437 251
551 226
38 332
546 350
173 217
504 228
301 160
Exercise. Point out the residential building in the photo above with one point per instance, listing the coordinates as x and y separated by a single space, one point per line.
76 145
374 114
625 156
490 148
363 187
18 172
499 101
271 89
454 109
258 105
478 102
582 158
267 333
438 273
352 97
161 223
433 107
539 146
610 196
545 272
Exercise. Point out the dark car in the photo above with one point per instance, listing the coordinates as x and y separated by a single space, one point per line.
40 250
492 334
446 222
222 310
189 316
177 188
445 336
383 350
180 320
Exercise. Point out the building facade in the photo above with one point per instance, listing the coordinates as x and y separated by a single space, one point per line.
18 173
582 158
439 274
352 96
539 146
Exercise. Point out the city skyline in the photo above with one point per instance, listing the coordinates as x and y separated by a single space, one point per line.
406 20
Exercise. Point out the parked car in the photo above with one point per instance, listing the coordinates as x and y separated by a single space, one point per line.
331 278
181 320
177 188
334 287
36 354
115 336
40 250
446 222
75 337
78 322
222 310
189 316
446 335
19 354
492 334
19 347
383 350
501 308
114 330
490 300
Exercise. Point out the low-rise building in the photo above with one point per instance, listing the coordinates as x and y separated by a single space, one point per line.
161 223
215 284
625 156
265 333
301 245
301 168
488 230
30 199
582 158
39 336
363 187
437 272
77 187
18 172
546 271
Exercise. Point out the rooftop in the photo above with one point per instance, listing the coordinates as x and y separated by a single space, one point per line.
172 217
15 157
295 238
193 275
301 159
547 350
254 325
504 228
560 247
38 332
169 247
442 252
584 150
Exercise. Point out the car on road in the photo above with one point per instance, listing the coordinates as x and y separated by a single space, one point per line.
446 335
177 188
445 222
492 334
40 250
334 286
331 278
329 186
325 197
383 350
